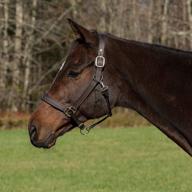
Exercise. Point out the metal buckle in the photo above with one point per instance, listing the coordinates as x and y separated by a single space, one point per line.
70 111
100 61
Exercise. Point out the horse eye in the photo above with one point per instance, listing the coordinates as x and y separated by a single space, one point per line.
72 74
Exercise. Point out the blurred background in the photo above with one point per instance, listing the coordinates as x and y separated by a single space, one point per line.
35 35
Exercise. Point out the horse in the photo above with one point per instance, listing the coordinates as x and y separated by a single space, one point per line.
102 71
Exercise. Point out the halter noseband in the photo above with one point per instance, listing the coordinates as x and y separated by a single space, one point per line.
97 82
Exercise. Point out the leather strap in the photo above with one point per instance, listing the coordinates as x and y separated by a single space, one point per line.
70 110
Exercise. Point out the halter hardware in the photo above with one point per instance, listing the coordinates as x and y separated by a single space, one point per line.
70 111
100 61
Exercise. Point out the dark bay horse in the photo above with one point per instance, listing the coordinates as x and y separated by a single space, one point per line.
153 80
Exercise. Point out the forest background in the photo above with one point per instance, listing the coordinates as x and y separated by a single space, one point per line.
35 35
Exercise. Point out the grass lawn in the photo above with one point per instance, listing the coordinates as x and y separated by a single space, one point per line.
107 160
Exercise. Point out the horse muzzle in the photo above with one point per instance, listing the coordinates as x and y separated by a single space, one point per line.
46 143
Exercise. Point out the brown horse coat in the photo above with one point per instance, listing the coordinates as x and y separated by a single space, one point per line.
155 81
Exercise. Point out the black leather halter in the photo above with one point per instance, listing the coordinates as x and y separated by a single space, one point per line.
97 82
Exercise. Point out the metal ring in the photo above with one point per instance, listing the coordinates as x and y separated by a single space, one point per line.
84 131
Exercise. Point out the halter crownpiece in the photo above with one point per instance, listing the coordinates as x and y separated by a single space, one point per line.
100 59
97 82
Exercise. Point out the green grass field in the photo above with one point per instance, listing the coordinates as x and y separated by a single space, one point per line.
107 160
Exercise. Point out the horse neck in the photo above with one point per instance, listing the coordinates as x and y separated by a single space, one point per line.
124 58
147 79
140 67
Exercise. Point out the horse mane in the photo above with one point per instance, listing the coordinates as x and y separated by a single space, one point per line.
152 46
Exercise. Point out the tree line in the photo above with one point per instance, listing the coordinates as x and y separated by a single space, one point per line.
34 37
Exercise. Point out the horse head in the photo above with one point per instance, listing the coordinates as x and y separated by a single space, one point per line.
78 92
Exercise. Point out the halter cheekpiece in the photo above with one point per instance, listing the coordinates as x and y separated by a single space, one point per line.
97 82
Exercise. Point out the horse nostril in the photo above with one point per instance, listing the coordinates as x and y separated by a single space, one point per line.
32 132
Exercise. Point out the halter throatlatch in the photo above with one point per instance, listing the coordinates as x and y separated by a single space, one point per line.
97 82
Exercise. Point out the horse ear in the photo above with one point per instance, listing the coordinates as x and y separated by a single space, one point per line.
86 35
